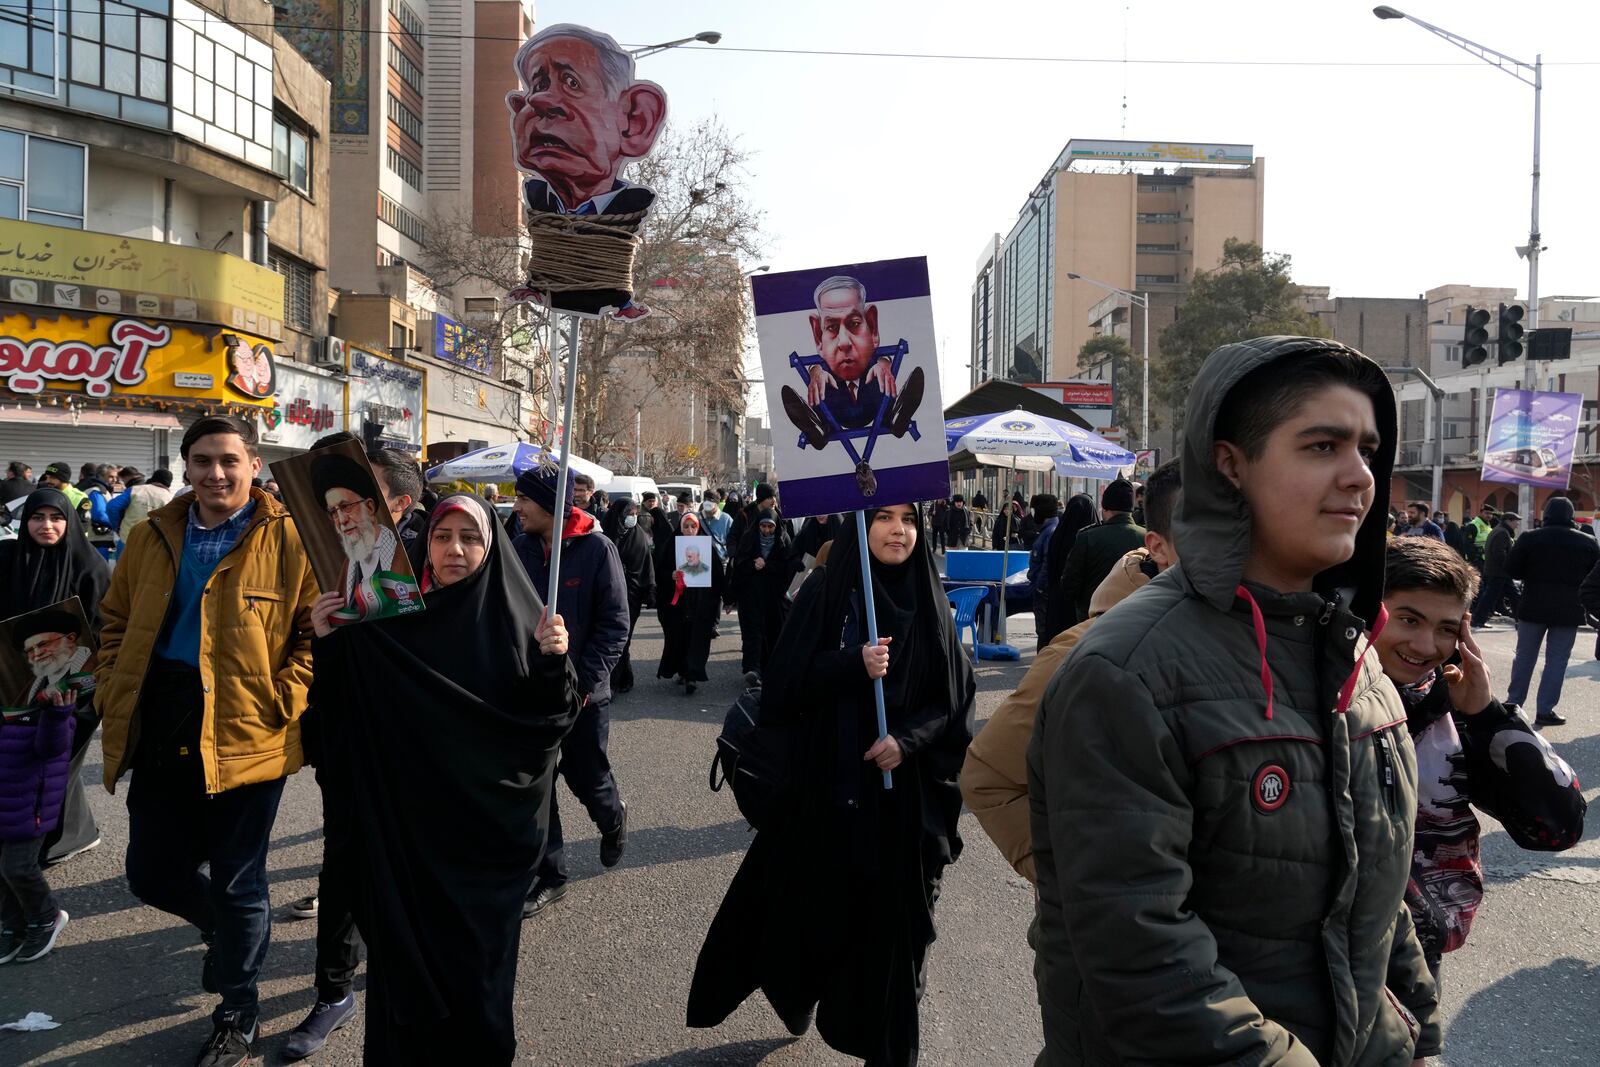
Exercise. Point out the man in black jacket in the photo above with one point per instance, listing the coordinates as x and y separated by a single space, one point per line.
1098 548
1551 562
1497 585
593 602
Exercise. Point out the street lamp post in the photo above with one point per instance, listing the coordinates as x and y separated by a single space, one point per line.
1528 74
1437 392
1138 301
707 37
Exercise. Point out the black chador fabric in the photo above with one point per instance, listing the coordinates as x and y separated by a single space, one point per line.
447 724
832 908
762 593
685 625
35 576
633 548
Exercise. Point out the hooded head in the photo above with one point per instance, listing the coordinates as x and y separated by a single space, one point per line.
1558 512
1268 398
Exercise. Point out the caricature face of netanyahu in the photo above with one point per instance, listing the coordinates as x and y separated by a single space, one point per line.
581 114
845 328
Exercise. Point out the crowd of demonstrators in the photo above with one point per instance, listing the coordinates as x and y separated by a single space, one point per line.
816 532
661 526
1096 549
140 497
687 613
202 706
1006 529
1551 563
1419 525
1217 678
1078 514
593 600
1497 590
634 550
449 817
831 912
764 564
1472 751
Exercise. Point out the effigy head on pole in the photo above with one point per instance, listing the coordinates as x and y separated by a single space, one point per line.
580 116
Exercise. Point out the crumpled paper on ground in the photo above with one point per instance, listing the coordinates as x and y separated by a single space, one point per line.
34 1020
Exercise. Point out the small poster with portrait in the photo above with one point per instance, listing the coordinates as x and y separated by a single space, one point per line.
694 560
344 522
46 650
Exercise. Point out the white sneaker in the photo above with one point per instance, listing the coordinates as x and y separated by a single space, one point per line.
37 941
304 908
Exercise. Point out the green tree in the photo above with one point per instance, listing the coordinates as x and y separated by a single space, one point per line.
1250 294
1127 373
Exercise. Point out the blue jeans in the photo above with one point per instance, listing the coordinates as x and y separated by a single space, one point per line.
1530 635
587 769
174 831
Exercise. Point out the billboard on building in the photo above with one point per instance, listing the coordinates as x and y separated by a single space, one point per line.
103 356
461 345
852 381
1531 437
387 393
76 270
306 406
1161 151
334 36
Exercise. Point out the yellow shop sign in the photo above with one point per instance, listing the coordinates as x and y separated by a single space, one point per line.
109 355
77 270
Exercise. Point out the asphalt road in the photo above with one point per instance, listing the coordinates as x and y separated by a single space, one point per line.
604 974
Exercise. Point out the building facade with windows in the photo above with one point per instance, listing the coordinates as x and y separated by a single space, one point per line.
145 151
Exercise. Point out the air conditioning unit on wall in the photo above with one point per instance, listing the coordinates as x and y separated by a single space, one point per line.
330 352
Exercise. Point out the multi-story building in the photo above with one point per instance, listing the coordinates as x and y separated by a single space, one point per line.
1392 330
163 224
1116 212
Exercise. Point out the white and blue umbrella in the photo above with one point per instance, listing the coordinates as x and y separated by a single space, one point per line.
1023 440
502 463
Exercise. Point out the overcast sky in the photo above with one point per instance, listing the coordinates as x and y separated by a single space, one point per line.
1395 161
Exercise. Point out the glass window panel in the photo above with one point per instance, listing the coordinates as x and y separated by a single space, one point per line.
86 62
121 27
244 78
280 149
55 176
226 66
10 201
204 53
204 98
153 36
183 90
299 162
119 67
13 44
44 49
11 153
55 220
153 78
183 46
244 123
222 109
263 86
86 19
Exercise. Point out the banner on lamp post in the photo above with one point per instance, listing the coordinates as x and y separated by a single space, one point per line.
1531 438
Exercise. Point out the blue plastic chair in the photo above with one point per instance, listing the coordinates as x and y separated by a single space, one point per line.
965 599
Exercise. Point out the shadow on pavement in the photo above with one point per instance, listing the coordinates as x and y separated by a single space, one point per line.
1514 1017
736 1054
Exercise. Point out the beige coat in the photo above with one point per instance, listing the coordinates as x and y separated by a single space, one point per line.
994 779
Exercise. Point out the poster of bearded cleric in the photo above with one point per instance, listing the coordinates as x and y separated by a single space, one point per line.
580 116
853 385
48 650
349 535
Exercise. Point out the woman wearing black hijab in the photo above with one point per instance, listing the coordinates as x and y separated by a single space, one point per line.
763 566
621 524
1078 514
687 614
50 561
445 726
832 909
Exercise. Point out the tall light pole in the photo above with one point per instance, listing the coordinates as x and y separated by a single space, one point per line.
1528 74
1138 301
707 37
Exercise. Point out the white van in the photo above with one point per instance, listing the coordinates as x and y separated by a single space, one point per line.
696 489
634 488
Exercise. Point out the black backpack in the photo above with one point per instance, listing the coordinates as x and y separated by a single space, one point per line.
754 759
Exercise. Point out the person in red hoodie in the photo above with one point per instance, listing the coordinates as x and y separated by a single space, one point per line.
593 599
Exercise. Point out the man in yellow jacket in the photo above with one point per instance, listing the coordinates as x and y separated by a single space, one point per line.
204 669
994 779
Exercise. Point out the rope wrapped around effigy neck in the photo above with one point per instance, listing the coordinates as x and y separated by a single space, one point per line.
575 253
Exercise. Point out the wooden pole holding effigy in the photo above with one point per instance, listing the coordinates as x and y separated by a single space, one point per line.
872 632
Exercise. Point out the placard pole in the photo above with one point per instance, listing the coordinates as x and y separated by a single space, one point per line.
559 520
872 631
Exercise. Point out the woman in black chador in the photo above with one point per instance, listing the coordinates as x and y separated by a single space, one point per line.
832 909
763 566
444 727
687 613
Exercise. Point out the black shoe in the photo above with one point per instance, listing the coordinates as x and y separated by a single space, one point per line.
688 689
10 944
542 897
612 844
208 970
1554 718
326 1017
799 1025
905 405
803 416
230 1042
39 938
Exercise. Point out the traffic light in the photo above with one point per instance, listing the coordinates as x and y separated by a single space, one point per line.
1510 332
1475 339
1550 342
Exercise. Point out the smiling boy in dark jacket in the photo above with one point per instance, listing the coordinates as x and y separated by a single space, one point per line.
1221 788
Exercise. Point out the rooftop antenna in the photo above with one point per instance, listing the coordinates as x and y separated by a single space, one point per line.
1127 166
